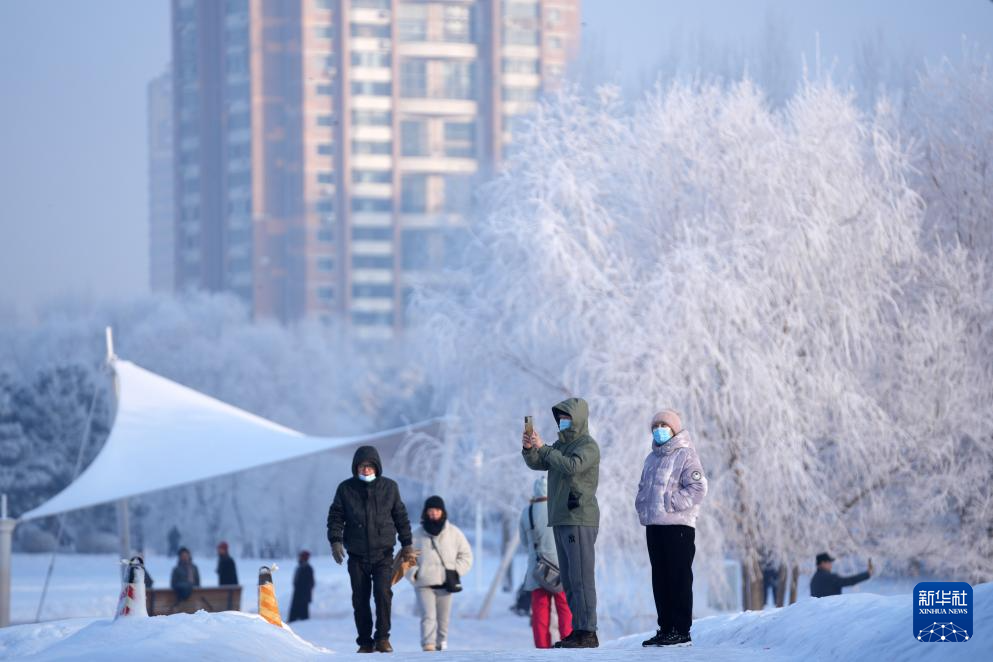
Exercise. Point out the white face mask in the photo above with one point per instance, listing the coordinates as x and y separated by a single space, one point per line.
368 479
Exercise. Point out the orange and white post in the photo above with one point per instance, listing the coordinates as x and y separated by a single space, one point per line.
132 600
268 607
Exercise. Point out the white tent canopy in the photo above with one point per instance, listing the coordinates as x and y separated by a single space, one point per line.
159 421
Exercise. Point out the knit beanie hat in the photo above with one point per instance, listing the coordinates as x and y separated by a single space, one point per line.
668 417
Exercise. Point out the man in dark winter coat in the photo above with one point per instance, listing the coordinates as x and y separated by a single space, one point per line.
825 583
303 589
227 573
365 519
573 466
185 576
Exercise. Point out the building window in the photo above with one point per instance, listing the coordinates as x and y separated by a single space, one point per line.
412 22
372 176
366 147
517 36
371 4
458 80
372 291
372 205
372 234
457 24
372 118
372 262
555 43
324 31
458 193
325 149
553 16
372 60
414 194
325 120
325 264
460 139
414 138
325 235
525 9
325 294
520 93
370 31
325 177
325 206
420 249
520 66
370 88
325 90
414 79
361 318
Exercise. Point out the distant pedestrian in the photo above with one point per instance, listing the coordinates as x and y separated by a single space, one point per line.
173 540
443 558
573 466
303 588
539 541
227 573
669 495
825 583
365 520
185 576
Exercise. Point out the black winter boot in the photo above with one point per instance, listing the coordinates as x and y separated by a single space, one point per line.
582 639
657 640
677 639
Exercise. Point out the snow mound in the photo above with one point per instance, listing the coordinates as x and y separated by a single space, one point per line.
857 626
228 635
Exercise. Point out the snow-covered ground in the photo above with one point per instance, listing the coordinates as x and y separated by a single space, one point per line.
858 625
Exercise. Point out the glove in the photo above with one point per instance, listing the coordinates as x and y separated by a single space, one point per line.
338 552
408 554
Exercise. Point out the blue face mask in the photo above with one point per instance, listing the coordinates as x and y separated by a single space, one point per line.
368 478
661 435
564 424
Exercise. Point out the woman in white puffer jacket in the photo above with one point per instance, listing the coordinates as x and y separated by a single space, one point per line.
442 546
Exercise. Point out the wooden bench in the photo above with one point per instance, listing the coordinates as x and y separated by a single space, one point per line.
163 601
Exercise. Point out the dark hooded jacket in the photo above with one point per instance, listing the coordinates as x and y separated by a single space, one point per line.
573 466
368 517
825 583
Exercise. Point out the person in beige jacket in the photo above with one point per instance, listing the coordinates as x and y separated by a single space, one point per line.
442 546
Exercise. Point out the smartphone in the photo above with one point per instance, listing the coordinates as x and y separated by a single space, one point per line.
528 424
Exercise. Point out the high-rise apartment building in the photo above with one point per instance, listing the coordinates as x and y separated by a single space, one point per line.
326 151
161 239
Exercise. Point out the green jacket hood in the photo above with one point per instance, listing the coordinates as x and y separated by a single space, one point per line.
579 411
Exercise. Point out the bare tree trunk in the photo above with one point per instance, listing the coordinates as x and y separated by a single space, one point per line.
794 578
752 590
780 594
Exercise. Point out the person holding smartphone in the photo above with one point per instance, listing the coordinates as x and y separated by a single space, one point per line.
573 466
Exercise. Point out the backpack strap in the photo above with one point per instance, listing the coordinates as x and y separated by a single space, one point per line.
531 518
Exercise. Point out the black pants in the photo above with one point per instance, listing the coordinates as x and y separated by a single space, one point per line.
371 576
670 550
299 607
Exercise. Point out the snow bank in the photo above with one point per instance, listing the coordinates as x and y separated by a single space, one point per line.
859 626
225 636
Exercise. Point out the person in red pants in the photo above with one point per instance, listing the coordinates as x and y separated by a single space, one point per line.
538 539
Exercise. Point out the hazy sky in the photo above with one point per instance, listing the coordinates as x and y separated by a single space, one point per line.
73 151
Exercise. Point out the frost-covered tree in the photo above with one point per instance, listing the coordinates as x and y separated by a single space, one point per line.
761 271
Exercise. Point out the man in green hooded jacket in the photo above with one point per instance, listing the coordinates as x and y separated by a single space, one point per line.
573 466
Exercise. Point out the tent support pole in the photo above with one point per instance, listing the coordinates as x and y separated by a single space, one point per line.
124 528
508 558
6 538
